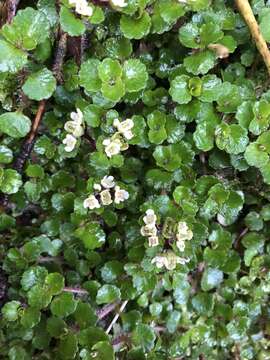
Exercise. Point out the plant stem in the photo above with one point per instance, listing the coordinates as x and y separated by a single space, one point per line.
11 9
114 320
246 11
76 291
106 310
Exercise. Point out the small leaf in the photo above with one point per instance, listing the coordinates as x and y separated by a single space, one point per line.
88 74
70 24
63 305
179 90
15 124
211 279
135 28
92 235
200 63
108 294
10 310
135 75
40 85
11 59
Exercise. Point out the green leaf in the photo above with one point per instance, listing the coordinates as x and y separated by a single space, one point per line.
40 85
28 29
113 92
189 35
11 182
38 297
109 70
92 235
63 305
200 63
10 310
68 346
55 283
15 124
135 28
70 24
179 90
144 336
6 155
30 317
261 120
255 155
211 88
108 294
135 75
264 24
211 278
11 59
88 74
231 138
171 157
104 351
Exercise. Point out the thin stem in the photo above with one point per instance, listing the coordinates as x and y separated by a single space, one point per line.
106 310
114 320
11 9
76 290
246 11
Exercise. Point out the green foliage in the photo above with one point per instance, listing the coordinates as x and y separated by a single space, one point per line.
138 227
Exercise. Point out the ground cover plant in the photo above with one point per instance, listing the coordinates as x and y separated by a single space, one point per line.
134 179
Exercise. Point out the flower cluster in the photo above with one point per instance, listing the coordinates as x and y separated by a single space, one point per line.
103 194
183 234
75 129
117 143
82 7
149 229
169 260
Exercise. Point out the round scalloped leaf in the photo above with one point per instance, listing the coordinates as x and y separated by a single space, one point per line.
15 124
109 70
70 24
88 75
28 29
63 305
11 181
40 85
11 59
231 138
135 75
211 88
108 294
200 62
92 235
135 28
113 92
179 89
189 36
255 155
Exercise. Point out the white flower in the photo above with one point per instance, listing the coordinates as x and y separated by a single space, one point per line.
150 217
82 7
112 147
97 187
105 197
77 116
183 232
124 127
149 230
70 142
153 241
120 3
120 195
91 202
181 245
75 127
108 182
169 260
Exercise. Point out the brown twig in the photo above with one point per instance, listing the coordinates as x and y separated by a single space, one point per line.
59 57
30 140
11 9
246 11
